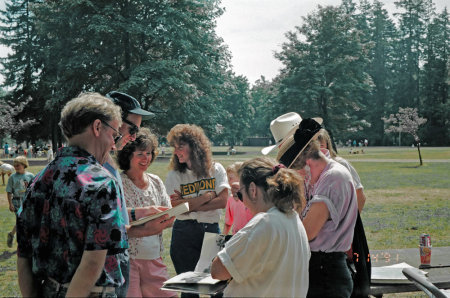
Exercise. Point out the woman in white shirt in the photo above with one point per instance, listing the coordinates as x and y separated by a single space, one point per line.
147 269
195 179
269 257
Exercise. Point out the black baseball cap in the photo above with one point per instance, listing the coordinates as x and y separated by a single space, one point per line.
129 104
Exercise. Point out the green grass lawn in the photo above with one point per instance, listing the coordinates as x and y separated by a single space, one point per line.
403 201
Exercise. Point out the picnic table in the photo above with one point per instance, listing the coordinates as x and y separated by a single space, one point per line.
438 272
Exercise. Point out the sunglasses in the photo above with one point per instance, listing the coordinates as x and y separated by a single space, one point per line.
116 138
133 127
239 194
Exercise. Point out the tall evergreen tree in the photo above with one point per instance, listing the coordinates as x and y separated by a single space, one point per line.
413 18
22 64
435 85
324 71
382 34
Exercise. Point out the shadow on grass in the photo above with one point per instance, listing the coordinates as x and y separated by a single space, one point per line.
7 254
410 167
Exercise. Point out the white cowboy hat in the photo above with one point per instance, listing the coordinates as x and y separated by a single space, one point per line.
280 128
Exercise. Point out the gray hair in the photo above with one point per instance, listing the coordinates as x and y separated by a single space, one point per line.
83 110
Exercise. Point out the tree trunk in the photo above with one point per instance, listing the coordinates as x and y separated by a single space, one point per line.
420 155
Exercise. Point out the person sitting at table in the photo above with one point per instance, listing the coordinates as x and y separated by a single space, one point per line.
330 213
269 256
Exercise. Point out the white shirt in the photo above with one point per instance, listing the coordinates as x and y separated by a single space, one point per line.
269 257
191 186
150 247
356 180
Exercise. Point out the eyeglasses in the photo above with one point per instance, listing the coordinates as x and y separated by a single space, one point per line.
239 194
133 127
118 136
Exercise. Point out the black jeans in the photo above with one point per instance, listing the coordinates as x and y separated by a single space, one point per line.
186 244
329 275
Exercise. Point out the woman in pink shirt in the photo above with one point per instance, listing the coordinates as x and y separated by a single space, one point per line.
236 214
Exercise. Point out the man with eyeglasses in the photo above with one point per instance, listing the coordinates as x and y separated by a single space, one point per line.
70 232
132 116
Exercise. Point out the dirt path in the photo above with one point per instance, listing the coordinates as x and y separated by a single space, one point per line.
396 160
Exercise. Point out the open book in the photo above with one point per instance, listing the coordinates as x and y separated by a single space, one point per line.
200 280
392 274
177 210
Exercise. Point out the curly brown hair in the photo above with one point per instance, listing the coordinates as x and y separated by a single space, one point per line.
283 187
200 156
144 139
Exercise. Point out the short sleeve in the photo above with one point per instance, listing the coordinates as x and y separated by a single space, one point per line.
356 180
334 195
165 199
105 224
245 254
25 217
221 178
172 183
9 185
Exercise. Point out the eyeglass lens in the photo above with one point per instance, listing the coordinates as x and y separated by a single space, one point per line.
116 138
133 127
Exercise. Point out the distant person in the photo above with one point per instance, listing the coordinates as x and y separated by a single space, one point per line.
354 143
194 178
15 190
5 169
366 142
269 256
147 269
6 150
237 215
49 154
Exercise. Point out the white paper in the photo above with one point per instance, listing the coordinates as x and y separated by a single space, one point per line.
177 210
212 244
192 278
392 274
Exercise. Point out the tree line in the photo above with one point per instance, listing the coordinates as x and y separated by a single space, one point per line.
352 64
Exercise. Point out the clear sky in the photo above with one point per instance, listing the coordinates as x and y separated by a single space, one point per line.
254 30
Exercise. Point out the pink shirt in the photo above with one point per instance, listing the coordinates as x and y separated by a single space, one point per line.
236 214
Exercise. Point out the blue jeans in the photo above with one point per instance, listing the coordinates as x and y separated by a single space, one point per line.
186 244
329 275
